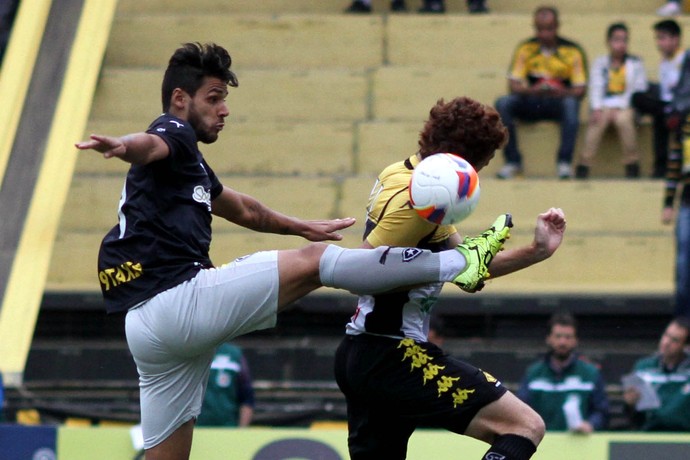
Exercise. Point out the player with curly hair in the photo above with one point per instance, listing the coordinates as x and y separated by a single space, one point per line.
393 378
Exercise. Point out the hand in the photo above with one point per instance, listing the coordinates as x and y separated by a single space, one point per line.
584 428
323 230
552 88
631 396
548 234
667 215
107 145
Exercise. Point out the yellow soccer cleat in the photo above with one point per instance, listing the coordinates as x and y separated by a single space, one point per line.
480 251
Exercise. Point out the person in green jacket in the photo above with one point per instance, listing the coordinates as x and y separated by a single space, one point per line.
668 374
566 390
229 398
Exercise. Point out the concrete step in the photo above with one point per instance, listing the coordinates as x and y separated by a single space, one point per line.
453 7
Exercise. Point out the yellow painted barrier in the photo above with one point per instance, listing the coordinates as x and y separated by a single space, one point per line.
17 67
30 268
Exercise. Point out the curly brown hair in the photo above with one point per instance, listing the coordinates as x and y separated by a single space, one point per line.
464 127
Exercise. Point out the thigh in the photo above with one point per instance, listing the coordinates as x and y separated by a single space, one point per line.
236 298
215 306
627 133
171 386
535 108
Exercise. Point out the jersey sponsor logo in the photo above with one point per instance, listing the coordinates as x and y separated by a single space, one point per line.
123 273
200 195
410 254
177 123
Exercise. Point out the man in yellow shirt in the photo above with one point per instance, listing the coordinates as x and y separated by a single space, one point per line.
547 80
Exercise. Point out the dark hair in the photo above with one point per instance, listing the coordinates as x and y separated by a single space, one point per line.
562 318
669 26
465 127
547 9
684 322
190 64
615 27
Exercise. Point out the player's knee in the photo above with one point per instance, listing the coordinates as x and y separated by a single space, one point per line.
309 257
313 251
535 426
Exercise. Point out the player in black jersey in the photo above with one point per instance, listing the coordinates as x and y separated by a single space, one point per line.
155 266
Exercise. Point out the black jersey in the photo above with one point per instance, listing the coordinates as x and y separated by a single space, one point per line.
164 230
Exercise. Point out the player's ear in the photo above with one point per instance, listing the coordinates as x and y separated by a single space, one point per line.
179 100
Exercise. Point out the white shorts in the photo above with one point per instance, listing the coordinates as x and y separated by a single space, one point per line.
173 336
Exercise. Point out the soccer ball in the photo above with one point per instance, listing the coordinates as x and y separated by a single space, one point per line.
444 189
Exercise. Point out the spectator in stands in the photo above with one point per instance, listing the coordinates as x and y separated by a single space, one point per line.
8 10
428 6
229 398
658 100
154 265
667 374
614 77
566 390
547 80
394 379
670 8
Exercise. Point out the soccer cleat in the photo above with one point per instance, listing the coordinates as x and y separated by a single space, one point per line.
480 251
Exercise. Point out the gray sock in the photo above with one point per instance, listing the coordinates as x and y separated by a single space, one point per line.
372 271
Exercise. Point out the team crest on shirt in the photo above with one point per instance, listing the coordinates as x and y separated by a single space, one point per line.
200 195
410 254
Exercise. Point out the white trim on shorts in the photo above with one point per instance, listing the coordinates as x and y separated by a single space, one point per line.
173 336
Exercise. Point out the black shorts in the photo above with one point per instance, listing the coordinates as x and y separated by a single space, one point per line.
393 386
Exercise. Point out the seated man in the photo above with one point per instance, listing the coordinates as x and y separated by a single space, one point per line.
567 391
229 397
547 80
667 372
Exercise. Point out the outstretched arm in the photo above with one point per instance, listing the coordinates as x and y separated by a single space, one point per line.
139 148
248 212
548 235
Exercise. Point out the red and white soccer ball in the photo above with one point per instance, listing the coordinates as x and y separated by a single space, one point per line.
444 189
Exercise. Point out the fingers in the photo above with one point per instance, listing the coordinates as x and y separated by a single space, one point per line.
554 217
94 142
339 224
344 222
